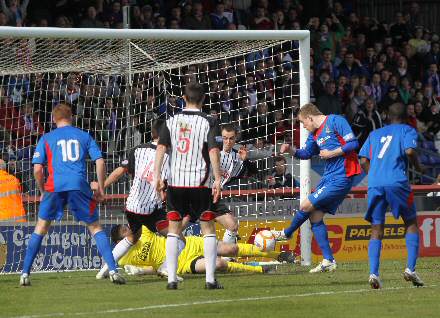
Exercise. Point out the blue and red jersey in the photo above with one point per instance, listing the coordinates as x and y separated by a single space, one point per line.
386 149
333 133
65 151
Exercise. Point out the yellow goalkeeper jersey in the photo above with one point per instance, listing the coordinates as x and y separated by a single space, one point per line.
148 251
151 248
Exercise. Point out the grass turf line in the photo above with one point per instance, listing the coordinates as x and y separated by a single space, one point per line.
78 292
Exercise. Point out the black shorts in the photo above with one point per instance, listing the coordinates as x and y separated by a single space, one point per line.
195 202
220 208
155 221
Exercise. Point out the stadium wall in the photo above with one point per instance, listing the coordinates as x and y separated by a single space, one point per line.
70 247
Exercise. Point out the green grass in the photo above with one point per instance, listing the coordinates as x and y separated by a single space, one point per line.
291 293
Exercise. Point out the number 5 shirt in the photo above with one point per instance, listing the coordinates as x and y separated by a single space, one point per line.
385 148
190 135
65 151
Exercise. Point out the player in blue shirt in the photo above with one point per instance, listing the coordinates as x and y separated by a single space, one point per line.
333 140
385 157
64 151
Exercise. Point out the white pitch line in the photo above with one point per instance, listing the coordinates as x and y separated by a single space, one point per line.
210 302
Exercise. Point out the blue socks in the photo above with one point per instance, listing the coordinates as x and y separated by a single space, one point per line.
105 249
34 244
321 236
412 246
298 219
31 251
374 249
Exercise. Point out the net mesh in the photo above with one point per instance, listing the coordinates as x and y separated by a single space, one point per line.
38 55
117 88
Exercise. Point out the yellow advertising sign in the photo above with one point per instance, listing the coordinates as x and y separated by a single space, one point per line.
348 237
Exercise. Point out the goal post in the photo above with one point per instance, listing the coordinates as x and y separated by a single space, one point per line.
142 74
305 165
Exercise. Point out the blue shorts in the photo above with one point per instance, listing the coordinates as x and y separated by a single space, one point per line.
400 199
330 193
81 205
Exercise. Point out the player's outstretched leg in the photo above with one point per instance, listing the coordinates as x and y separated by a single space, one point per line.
103 245
245 250
412 246
298 219
32 249
320 233
233 267
229 222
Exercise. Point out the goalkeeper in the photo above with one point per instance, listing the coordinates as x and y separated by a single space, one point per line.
148 254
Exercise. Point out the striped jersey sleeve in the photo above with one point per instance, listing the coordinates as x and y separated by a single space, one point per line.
143 198
230 166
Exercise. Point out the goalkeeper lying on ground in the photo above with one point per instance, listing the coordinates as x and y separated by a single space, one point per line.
148 254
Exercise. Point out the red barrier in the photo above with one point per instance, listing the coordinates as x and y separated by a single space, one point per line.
356 192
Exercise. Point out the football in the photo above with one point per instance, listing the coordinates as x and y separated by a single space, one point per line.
265 240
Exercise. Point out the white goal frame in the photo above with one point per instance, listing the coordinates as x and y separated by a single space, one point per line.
302 36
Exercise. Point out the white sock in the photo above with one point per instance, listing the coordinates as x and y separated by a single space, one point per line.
172 253
210 245
180 246
121 249
230 237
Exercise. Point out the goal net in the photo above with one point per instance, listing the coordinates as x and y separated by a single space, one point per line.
117 83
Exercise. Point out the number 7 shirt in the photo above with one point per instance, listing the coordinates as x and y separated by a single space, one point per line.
385 148
64 151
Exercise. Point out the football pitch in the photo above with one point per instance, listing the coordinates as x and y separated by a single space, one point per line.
291 292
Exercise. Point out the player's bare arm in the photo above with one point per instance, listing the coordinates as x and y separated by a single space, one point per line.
39 178
214 156
288 149
365 164
413 159
112 178
115 176
160 153
100 172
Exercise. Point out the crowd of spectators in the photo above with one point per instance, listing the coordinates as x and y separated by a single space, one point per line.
359 67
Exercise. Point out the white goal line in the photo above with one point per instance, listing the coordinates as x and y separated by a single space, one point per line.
217 301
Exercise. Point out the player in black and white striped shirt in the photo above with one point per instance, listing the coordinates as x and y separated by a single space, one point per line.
190 136
144 205
233 165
